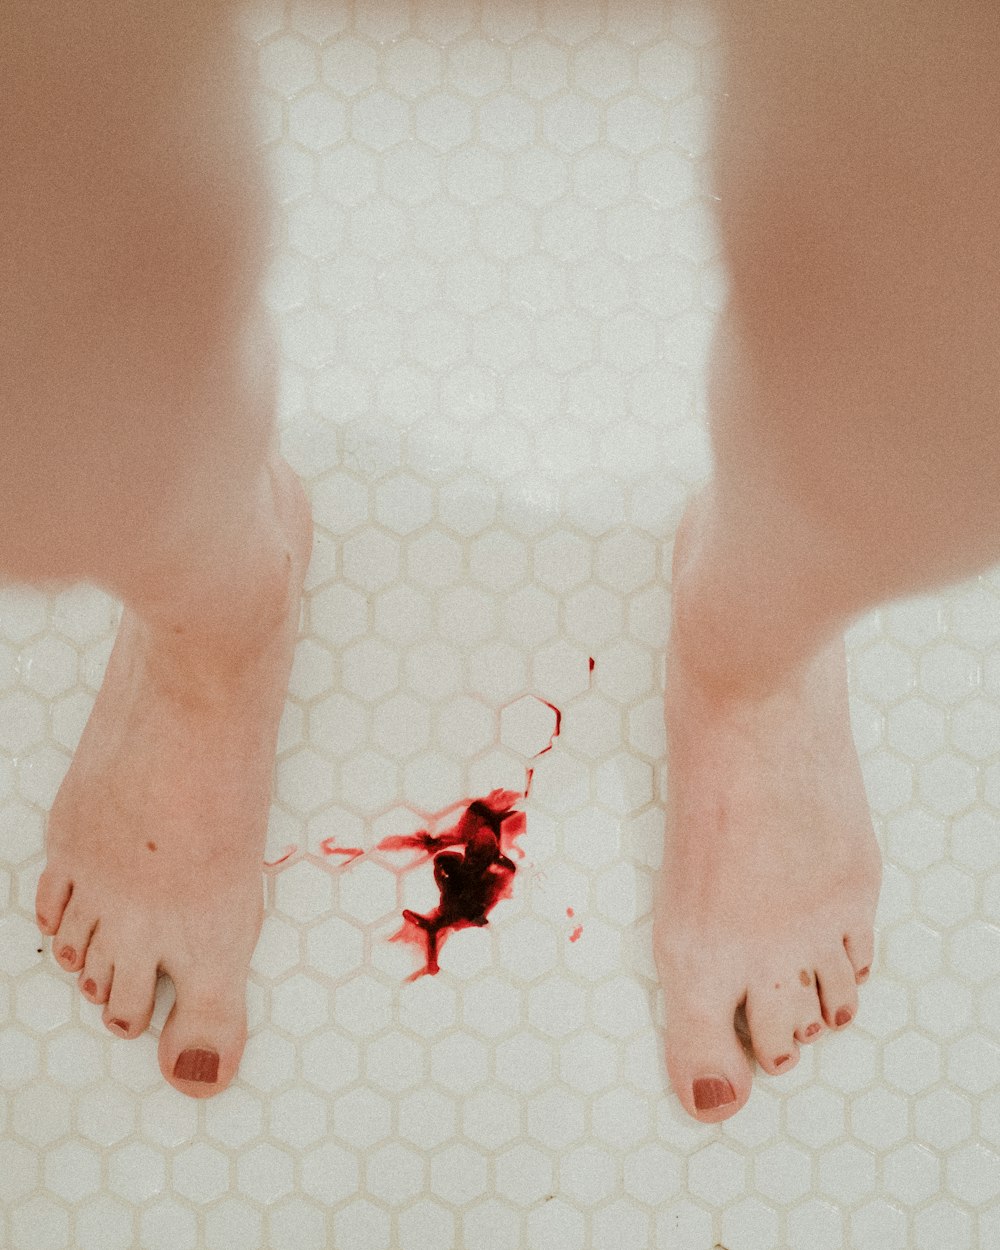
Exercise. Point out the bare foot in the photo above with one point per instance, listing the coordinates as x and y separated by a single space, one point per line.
156 837
770 878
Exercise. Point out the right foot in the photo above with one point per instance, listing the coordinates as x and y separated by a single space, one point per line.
156 836
770 878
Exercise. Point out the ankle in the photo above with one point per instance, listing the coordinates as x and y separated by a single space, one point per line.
224 606
738 632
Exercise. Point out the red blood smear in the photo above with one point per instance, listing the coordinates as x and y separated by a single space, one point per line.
472 868
570 912
288 852
328 848
555 733
591 663
575 935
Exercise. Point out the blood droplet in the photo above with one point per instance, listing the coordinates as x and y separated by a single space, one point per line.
575 935
591 662
472 868
570 912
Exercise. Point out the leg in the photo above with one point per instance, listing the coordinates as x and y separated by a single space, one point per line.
857 458
138 385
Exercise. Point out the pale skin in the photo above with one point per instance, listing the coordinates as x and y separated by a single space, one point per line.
857 458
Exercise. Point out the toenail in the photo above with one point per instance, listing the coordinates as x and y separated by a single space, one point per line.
781 1059
68 955
844 1016
120 1024
863 974
812 1030
711 1092
197 1065
89 987
42 922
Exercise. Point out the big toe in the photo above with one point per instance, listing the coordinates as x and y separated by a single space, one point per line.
708 1066
203 1039
53 893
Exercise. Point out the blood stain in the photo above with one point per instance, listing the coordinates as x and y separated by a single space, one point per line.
555 732
575 935
329 847
591 662
472 869
287 853
570 912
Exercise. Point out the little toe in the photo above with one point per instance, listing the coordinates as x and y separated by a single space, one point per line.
708 1066
859 945
838 989
771 1020
203 1039
95 979
73 937
51 897
130 1003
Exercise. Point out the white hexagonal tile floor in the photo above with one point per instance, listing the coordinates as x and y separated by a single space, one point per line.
495 277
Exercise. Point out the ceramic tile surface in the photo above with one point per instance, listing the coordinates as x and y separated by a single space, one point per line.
495 277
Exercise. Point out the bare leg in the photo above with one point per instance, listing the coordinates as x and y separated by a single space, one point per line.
857 451
139 453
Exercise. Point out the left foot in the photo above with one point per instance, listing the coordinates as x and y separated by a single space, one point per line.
770 877
156 837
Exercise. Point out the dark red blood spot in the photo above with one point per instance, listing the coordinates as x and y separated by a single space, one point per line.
591 663
570 912
329 847
575 935
150 846
472 868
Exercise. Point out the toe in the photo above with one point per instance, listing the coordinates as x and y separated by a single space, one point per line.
708 1066
129 1008
837 988
95 979
51 897
859 946
771 1019
73 937
204 1036
808 1013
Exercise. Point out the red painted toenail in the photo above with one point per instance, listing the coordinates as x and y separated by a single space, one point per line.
812 1030
89 987
711 1092
843 1016
197 1065
781 1059
68 955
863 974
120 1024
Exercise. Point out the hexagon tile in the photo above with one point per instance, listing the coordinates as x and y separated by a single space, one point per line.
495 276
